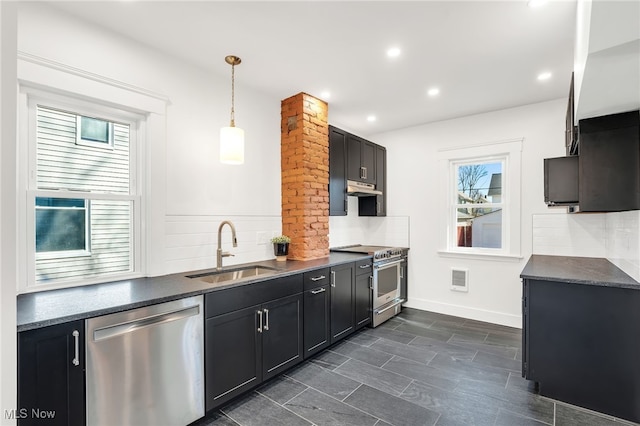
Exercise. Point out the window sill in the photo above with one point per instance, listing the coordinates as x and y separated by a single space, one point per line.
481 256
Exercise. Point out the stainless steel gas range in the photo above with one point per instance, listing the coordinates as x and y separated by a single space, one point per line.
389 275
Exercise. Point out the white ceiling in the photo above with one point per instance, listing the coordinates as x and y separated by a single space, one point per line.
483 55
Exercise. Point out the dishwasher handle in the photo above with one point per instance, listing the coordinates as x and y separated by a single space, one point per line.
133 325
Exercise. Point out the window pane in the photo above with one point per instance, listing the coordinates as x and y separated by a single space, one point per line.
110 223
479 227
59 202
64 164
479 183
61 226
95 130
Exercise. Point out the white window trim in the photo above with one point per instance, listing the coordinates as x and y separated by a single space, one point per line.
28 100
55 77
511 153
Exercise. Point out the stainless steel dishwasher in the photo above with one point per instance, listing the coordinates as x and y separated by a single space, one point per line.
146 366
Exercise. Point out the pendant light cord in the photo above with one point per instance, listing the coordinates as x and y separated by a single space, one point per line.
233 81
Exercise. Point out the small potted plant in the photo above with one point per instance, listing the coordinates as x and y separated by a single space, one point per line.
281 247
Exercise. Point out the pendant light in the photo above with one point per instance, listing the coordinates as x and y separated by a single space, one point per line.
232 137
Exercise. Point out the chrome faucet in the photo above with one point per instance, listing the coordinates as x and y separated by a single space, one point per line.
220 253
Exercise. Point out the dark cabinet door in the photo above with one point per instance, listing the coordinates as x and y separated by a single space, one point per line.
368 162
609 166
317 319
363 300
354 152
233 354
377 205
337 172
361 159
281 335
342 301
51 382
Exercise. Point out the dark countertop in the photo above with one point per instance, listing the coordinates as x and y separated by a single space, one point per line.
41 309
579 270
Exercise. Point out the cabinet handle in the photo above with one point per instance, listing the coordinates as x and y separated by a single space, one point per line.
333 278
259 321
371 282
368 265
378 207
318 291
363 172
76 338
321 277
266 319
402 272
346 205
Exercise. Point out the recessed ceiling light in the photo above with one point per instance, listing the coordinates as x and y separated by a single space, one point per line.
544 76
371 118
325 95
434 91
394 52
536 3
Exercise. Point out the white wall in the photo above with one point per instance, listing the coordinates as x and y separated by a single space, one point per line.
196 188
8 44
413 181
623 241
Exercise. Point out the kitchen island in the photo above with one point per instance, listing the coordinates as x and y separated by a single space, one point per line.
581 333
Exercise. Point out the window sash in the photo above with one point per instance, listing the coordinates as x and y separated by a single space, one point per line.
454 166
130 194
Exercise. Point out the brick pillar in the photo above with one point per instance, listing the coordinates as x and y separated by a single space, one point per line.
305 176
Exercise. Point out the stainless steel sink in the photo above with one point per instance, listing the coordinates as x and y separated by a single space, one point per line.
234 274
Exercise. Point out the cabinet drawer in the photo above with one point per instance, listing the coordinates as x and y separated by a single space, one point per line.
317 278
229 300
364 267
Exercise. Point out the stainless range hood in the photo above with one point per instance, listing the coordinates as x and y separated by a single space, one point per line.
361 189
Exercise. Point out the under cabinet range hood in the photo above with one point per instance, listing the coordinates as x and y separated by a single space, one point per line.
361 189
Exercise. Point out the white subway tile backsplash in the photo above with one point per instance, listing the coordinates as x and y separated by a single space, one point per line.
623 241
581 235
615 236
354 229
191 241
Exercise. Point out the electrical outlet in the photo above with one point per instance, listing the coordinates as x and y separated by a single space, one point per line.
262 238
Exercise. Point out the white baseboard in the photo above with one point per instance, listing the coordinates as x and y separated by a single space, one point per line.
501 318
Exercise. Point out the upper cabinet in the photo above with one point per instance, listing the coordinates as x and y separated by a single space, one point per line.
361 160
352 158
609 163
337 172
376 205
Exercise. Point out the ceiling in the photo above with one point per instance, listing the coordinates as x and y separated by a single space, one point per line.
482 55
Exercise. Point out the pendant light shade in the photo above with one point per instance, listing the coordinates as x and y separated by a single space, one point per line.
232 137
231 145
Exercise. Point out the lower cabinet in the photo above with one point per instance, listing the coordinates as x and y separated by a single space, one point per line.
317 310
248 345
342 301
580 344
363 292
51 381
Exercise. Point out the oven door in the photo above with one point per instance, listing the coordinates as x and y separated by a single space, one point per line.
386 282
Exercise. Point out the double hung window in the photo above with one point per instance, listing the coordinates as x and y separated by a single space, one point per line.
83 206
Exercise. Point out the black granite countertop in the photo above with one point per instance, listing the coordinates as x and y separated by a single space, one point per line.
578 270
41 309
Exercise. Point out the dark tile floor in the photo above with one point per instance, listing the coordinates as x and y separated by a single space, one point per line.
419 368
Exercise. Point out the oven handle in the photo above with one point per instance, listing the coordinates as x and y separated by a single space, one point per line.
388 264
399 302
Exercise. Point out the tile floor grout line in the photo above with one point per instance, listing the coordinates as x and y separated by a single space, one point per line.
281 405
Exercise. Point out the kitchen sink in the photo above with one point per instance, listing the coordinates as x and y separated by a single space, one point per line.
234 274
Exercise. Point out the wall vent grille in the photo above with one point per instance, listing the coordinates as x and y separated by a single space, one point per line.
459 279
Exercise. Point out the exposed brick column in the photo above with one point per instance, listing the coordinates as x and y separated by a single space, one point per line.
304 149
